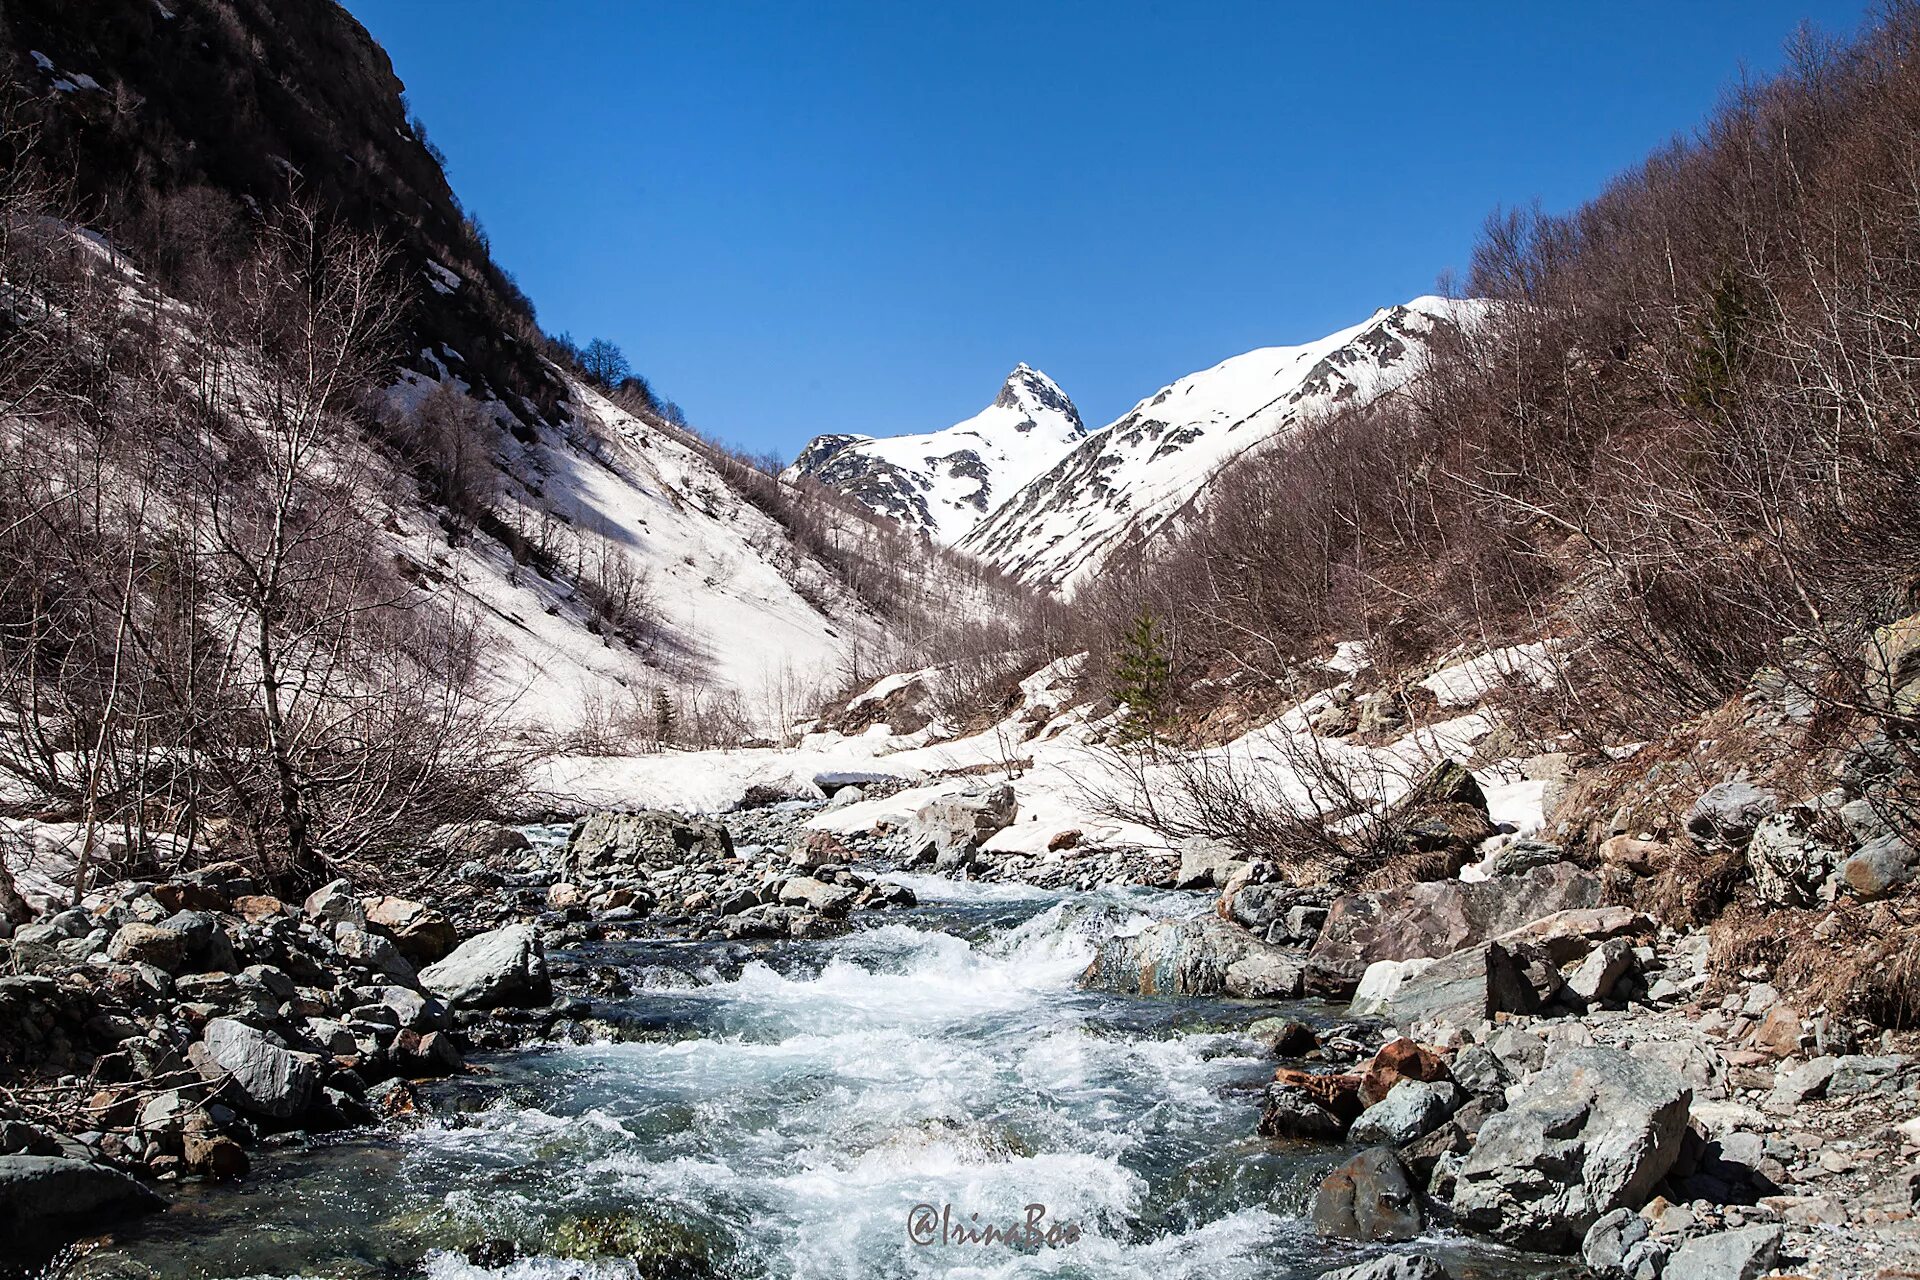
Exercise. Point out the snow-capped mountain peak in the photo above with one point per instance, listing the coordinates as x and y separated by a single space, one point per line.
944 482
1131 477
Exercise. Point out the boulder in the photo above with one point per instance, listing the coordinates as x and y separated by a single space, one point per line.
264 1077
1368 1198
370 951
1395 1266
422 933
1596 1131
213 1155
138 943
1880 867
1410 1111
1289 1111
480 838
47 1200
504 967
1744 1254
1603 969
834 780
1436 918
1283 1037
1789 861
1475 983
609 844
830 900
1619 1247
1207 864
1201 956
1892 661
1399 1060
1444 812
1380 983
965 821
332 905
1728 813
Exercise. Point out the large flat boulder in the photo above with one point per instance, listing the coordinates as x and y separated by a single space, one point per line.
1435 918
608 843
1201 956
47 1200
1594 1132
505 967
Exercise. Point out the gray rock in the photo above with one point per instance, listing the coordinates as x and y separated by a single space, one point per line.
1207 864
1411 1110
1863 1073
1604 967
1790 864
1881 866
965 821
829 900
505 967
1808 1080
332 905
1620 1247
1727 1255
373 952
48 1200
138 943
1368 1198
1595 1131
1436 918
1395 1266
610 844
1475 983
1288 1111
834 780
1202 956
1728 812
265 1078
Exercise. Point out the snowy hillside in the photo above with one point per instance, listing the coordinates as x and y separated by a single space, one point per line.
1136 474
945 482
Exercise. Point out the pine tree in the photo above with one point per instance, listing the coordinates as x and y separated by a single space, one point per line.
1143 679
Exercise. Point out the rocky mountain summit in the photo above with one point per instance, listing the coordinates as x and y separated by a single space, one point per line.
942 483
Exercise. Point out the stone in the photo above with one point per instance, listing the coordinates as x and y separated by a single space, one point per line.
1808 1080
1880 867
332 905
1207 864
1779 1032
1892 661
1368 1198
1435 918
1395 1266
1399 1060
1745 1254
422 933
1380 983
372 952
263 1077
1412 1110
1728 812
148 944
1641 857
1595 1131
430 1054
1337 1091
967 820
1858 1073
47 1200
213 1155
1289 1111
507 966
480 838
258 908
1789 862
608 844
1605 966
1200 956
1476 983
834 780
830 900
1283 1037
1619 1244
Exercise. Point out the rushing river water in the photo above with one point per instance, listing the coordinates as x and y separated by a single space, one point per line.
787 1120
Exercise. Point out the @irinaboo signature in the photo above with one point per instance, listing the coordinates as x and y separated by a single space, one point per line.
929 1224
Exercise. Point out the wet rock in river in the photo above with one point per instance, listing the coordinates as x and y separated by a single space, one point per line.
504 967
1201 956
1368 1198
46 1200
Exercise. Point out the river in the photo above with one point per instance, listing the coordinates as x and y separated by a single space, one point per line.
821 1111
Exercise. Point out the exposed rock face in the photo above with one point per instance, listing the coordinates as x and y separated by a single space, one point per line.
45 1200
1436 918
1203 956
1368 1198
608 844
266 1078
1596 1131
505 967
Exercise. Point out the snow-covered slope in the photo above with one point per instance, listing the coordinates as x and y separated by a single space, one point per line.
1133 476
945 482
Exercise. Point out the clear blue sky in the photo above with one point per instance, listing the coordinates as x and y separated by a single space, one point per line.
839 216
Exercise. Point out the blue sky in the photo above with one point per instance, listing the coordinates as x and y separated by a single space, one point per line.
831 216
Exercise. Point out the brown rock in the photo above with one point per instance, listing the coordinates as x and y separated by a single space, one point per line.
1368 1198
1065 840
1642 857
257 907
1779 1032
563 895
1399 1060
1339 1093
422 934
432 1054
214 1155
182 896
